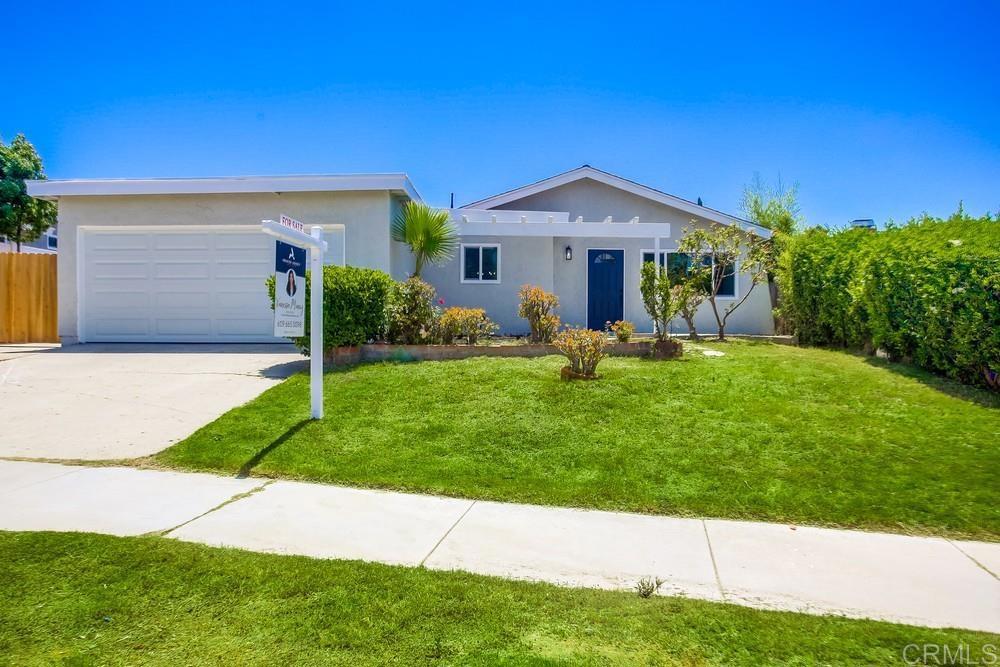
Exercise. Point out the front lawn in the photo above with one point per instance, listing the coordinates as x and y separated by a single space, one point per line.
91 599
764 432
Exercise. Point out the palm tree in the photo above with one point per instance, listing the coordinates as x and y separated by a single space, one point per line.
428 232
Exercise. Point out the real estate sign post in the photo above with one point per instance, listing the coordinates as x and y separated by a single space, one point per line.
289 298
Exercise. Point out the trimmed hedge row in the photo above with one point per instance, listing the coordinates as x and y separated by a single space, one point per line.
927 292
355 304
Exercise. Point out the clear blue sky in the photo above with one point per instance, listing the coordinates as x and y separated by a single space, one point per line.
876 110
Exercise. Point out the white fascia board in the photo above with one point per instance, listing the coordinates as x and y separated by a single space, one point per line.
642 230
632 187
53 189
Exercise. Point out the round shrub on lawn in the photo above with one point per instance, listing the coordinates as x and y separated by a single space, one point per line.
355 302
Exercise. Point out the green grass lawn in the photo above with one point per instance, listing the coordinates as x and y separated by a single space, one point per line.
88 599
765 432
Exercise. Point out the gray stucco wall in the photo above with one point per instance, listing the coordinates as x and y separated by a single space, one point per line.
365 216
522 262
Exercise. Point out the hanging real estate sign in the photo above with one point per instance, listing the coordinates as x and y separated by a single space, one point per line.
289 290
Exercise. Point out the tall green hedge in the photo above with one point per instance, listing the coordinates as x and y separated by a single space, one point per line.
355 304
926 292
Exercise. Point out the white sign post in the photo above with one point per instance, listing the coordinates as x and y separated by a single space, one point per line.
292 232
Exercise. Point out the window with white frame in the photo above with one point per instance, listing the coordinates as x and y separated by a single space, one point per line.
677 263
481 263
51 239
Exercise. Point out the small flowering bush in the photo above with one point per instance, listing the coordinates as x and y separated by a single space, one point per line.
536 307
623 330
413 315
584 348
469 323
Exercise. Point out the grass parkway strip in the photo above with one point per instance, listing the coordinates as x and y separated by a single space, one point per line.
764 432
89 599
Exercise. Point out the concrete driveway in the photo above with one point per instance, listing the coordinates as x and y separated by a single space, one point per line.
121 401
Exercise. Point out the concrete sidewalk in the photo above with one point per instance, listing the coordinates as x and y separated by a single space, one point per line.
917 580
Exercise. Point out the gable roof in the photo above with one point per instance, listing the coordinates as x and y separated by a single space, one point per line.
638 189
397 183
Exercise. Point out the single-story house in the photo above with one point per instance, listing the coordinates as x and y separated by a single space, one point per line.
183 260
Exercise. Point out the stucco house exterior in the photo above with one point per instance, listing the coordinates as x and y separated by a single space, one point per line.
583 235
183 260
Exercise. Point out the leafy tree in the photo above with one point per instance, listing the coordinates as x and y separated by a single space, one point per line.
689 293
775 208
658 298
22 218
429 233
715 251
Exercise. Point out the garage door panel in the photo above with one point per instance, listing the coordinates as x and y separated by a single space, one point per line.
182 299
184 327
243 241
119 299
184 286
103 241
242 302
180 241
123 326
183 270
120 270
249 268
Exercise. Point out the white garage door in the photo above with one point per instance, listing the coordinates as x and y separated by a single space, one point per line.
176 285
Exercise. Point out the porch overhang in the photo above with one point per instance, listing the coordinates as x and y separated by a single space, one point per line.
484 222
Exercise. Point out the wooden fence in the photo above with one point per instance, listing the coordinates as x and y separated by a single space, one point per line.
28 306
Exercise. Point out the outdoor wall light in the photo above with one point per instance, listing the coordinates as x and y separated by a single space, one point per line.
569 253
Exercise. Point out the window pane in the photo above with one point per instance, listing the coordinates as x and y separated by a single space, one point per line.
490 267
678 263
471 264
647 257
728 286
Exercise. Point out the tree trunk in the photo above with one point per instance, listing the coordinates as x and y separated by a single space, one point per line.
692 331
718 320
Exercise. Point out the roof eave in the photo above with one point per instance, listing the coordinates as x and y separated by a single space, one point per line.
396 183
586 171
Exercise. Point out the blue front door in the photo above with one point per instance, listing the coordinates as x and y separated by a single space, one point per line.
605 287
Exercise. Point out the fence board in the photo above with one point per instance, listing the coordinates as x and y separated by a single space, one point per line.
28 304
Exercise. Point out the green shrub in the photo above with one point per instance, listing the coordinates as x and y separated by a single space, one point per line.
469 323
413 314
623 330
536 306
583 347
927 292
354 305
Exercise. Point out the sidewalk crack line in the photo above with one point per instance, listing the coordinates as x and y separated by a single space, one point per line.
715 567
236 498
962 551
447 533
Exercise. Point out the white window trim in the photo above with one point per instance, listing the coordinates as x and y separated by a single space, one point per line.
719 297
48 241
479 281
